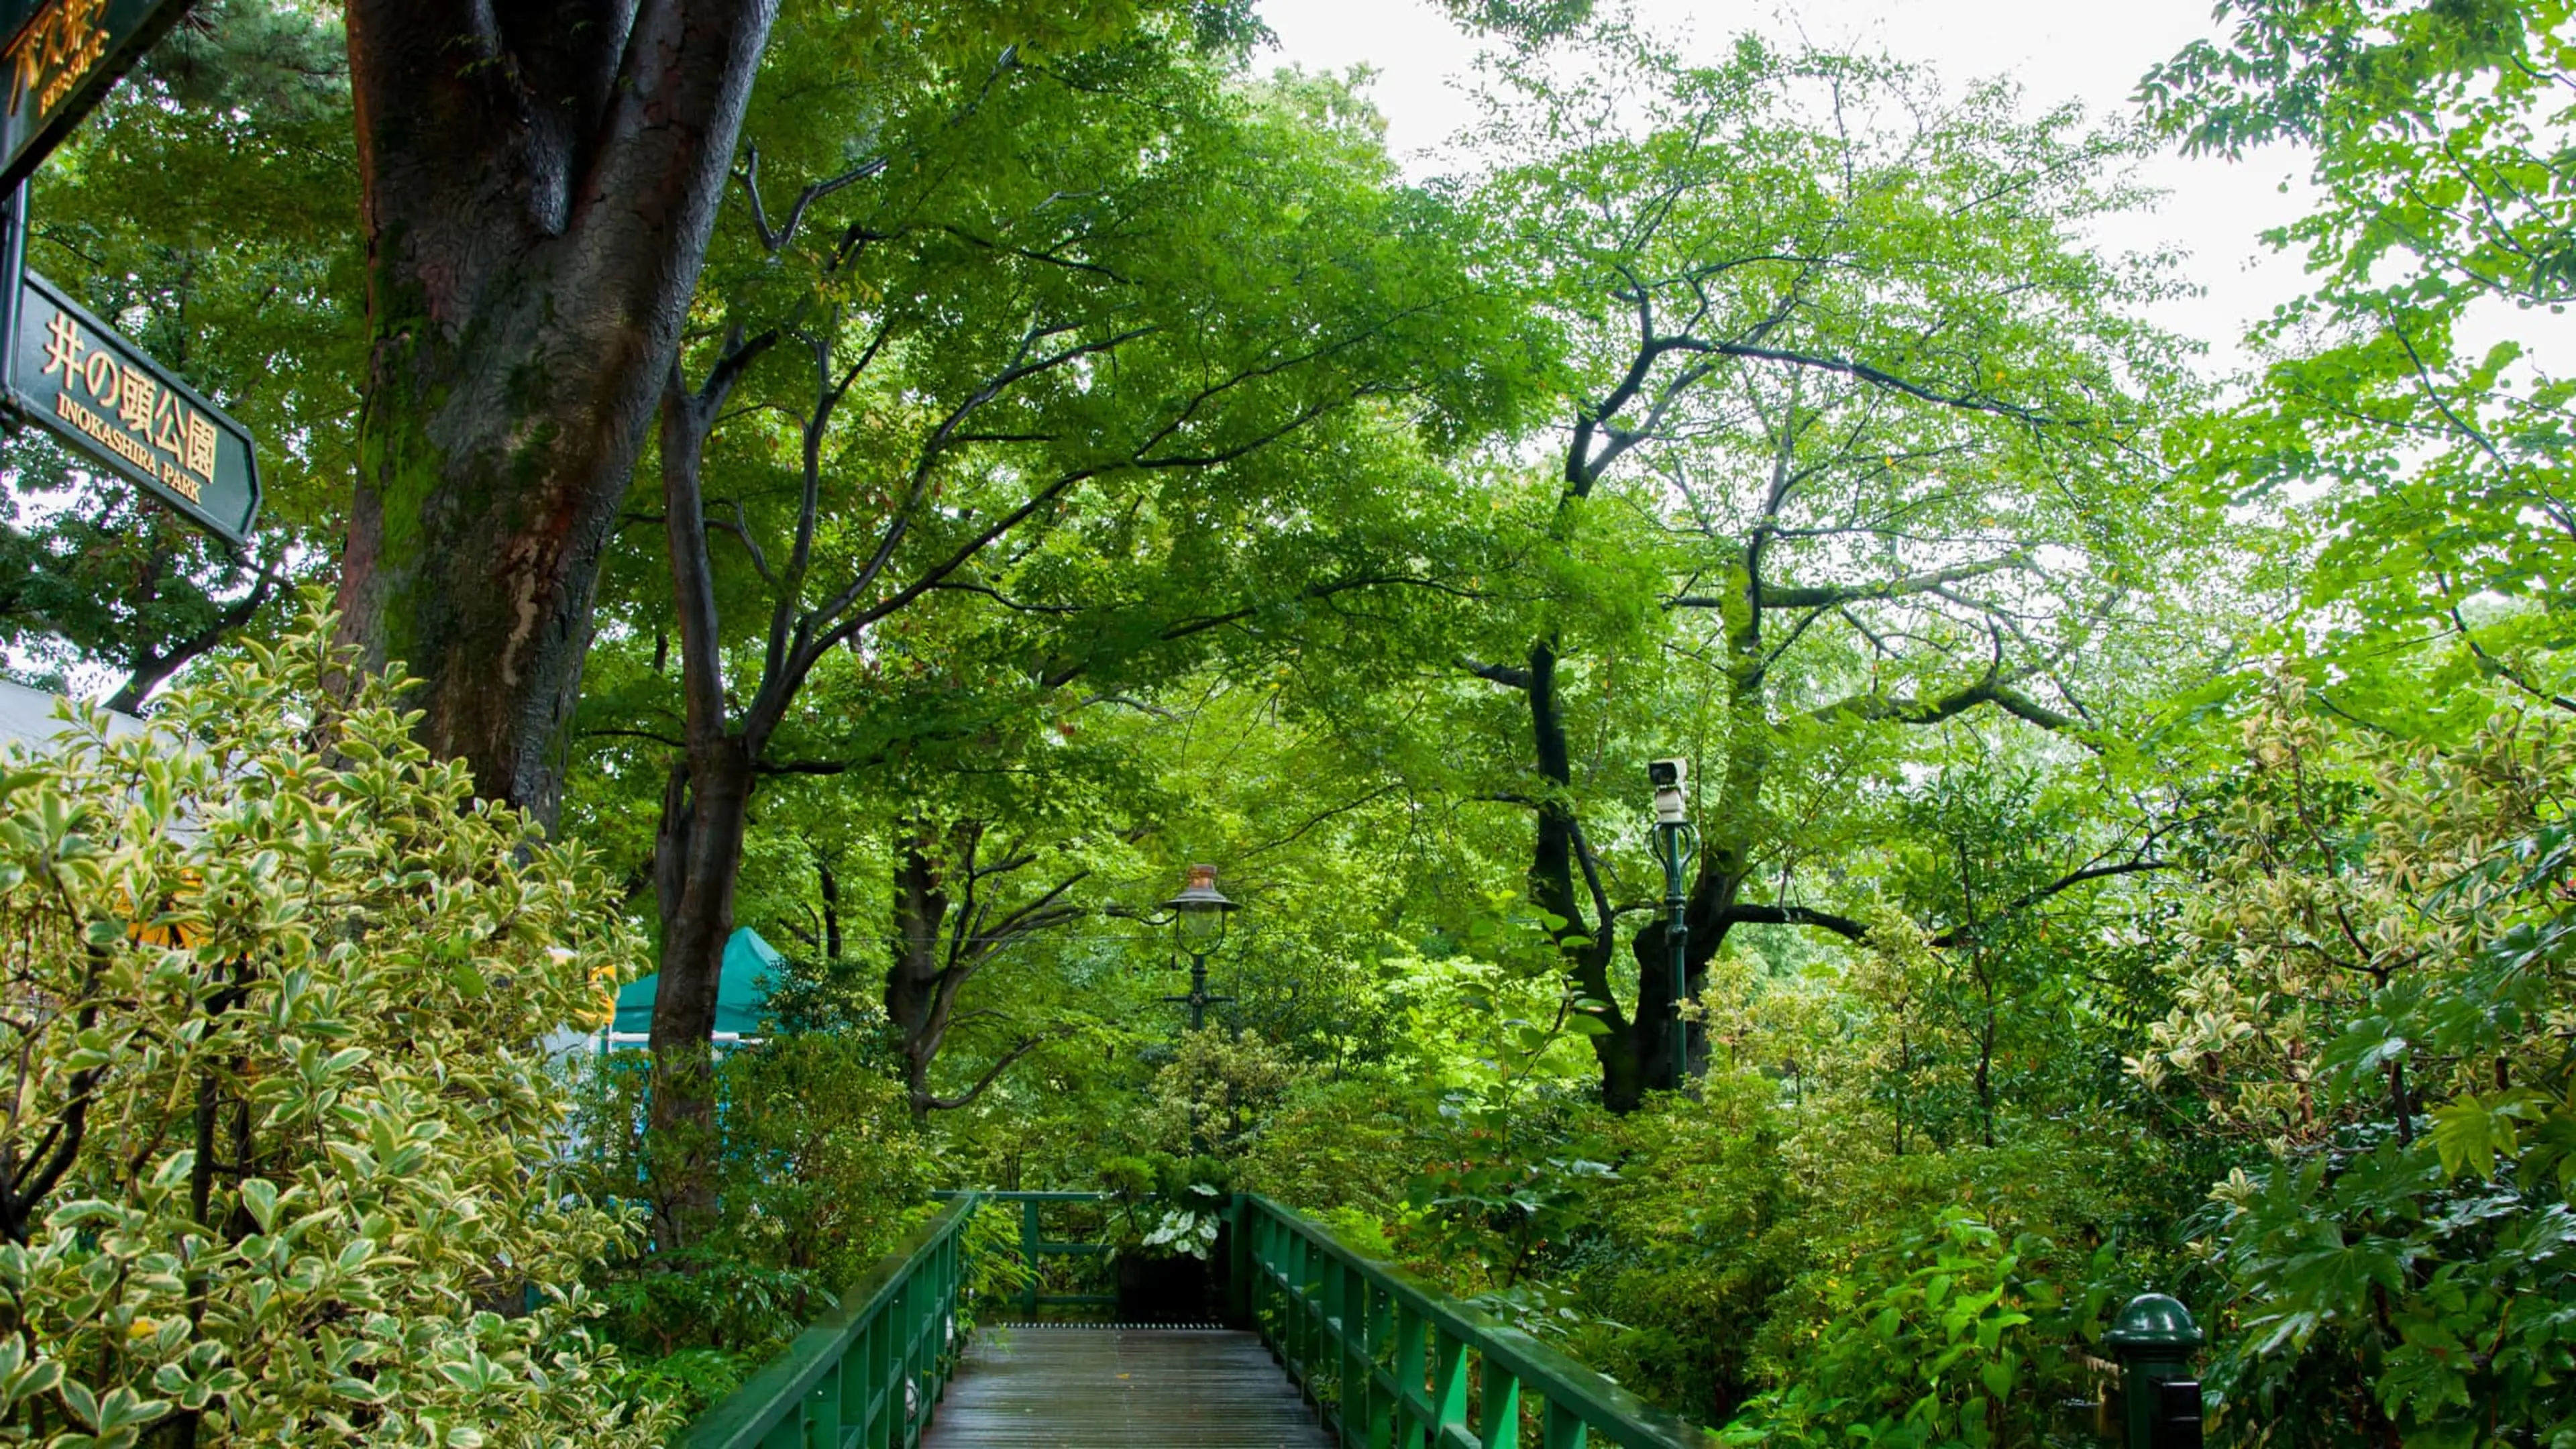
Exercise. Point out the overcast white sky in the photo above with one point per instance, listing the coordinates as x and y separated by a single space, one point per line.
2057 49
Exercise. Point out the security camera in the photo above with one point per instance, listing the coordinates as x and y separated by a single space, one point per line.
1667 777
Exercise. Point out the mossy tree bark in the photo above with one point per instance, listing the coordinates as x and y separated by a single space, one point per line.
539 181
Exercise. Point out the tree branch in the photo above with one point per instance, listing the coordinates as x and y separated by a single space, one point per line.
1966 932
1990 690
1821 362
991 1074
634 735
1826 596
150 666
773 239
1746 914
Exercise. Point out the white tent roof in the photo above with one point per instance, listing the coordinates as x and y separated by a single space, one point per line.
27 717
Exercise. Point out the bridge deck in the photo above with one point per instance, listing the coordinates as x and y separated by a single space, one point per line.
1078 1386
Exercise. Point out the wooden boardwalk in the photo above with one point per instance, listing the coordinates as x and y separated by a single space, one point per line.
1073 1386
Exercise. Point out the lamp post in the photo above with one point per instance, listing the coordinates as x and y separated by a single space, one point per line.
1676 844
1198 926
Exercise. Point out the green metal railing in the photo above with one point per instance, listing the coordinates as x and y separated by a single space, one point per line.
1390 1362
869 1374
1396 1364
1036 1247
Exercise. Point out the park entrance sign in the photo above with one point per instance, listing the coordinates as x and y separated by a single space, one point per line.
73 373
59 365
61 56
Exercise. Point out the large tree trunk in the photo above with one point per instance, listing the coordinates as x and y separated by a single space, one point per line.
1651 1040
1714 890
1636 1051
946 930
1730 836
539 181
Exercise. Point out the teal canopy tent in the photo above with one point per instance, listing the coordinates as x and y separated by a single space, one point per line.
751 965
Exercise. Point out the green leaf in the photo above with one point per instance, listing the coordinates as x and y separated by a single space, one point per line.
1999 1376
259 1195
173 1172
81 1402
2472 1132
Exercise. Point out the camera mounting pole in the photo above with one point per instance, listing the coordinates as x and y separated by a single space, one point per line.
1676 845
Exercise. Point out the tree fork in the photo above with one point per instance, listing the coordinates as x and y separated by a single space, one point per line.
538 183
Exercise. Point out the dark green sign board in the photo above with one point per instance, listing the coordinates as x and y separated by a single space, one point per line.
74 374
60 56
58 364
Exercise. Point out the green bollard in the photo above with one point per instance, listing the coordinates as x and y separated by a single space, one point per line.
2154 1339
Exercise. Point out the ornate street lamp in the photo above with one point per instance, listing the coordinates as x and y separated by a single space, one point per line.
1676 844
1198 926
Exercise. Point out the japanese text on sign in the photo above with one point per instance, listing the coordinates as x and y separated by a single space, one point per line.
129 411
55 52
93 387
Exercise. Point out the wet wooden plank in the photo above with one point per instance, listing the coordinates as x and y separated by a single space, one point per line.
1076 1387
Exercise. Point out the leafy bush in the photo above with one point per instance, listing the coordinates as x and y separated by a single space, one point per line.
1211 1093
995 1271
1678 1258
1165 1205
822 1171
702 1300
2375 991
1330 1146
1932 1345
282 1166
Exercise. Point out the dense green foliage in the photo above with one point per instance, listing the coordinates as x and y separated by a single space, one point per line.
282 1142
2132 804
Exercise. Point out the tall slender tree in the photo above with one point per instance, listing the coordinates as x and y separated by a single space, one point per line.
1879 411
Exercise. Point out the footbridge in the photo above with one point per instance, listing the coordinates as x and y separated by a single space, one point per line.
1308 1342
